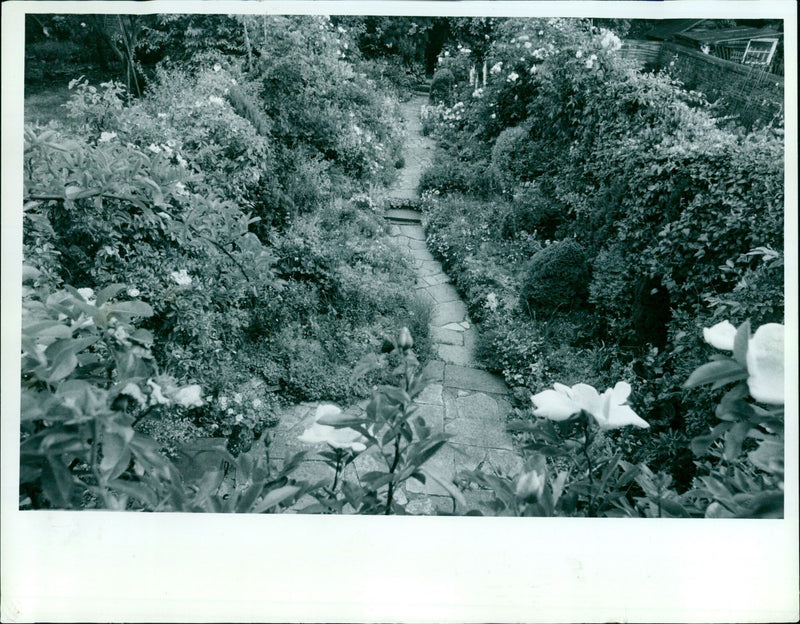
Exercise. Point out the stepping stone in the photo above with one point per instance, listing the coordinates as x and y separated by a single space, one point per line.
473 379
369 461
450 312
433 415
418 245
413 231
432 395
479 406
456 327
434 370
454 354
493 461
440 335
480 500
434 280
423 294
290 417
444 293
443 466
470 338
428 261
478 433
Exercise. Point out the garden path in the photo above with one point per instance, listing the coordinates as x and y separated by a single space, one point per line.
462 399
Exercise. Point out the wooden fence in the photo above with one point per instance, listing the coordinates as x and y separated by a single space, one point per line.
743 91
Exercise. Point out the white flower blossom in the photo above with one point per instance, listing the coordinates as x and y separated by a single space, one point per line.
720 336
609 409
156 396
530 485
513 76
579 54
133 292
189 396
496 68
765 364
181 278
216 100
132 390
154 148
217 67
337 437
87 294
105 137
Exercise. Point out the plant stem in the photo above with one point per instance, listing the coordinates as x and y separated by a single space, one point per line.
590 468
390 493
336 473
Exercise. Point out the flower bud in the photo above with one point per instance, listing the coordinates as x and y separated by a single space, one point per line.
404 339
530 485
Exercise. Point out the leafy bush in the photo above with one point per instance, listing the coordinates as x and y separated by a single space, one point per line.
88 377
536 212
680 217
441 88
557 276
511 154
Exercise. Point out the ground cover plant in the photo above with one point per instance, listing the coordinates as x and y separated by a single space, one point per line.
204 246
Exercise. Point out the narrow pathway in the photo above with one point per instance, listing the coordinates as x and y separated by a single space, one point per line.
462 399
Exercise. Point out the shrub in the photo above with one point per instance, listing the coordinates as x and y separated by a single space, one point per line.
556 277
442 85
450 175
534 211
510 155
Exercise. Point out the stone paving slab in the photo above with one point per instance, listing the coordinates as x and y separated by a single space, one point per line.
476 433
434 280
479 500
455 354
500 462
414 232
444 293
441 336
450 312
429 505
473 379
433 415
443 466
428 267
419 245
478 406
432 394
435 370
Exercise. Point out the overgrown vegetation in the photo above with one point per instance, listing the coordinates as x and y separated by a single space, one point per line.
596 218
234 207
203 242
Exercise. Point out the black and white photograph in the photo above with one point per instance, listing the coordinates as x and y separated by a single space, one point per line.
461 265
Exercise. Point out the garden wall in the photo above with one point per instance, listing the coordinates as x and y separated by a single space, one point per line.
750 94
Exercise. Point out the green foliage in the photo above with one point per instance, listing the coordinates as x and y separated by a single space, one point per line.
447 175
389 430
205 196
556 276
442 87
680 217
88 376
